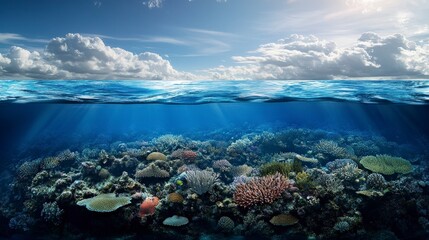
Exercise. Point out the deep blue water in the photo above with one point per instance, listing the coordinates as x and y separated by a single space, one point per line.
52 115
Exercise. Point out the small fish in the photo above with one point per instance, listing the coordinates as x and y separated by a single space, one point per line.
179 182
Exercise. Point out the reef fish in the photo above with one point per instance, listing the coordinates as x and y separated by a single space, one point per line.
148 206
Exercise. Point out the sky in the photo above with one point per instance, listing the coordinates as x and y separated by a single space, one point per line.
214 39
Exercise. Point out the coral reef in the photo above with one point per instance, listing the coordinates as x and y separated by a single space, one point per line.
286 184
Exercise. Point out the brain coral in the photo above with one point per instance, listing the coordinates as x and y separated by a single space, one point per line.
375 181
104 202
386 164
156 156
175 198
225 224
49 163
28 170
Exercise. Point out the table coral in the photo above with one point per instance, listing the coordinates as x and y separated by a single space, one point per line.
386 164
104 202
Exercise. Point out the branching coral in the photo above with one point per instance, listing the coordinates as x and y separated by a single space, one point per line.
186 155
331 148
223 165
262 190
242 170
169 142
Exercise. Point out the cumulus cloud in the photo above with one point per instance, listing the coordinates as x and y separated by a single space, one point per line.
308 57
78 57
296 57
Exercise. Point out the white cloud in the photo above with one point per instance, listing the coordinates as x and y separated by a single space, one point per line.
153 39
154 3
296 57
308 57
8 38
159 3
343 21
78 57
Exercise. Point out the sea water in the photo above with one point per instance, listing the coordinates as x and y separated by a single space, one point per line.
102 124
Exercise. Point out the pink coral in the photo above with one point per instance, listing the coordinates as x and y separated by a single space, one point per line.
262 190
187 155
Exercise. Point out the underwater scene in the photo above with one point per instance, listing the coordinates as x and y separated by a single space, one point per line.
136 159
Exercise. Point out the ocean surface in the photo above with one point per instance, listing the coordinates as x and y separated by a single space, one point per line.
64 141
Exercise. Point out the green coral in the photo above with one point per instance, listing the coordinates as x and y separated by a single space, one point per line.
303 180
283 168
297 166
272 168
386 164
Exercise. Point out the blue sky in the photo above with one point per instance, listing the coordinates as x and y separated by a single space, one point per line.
227 39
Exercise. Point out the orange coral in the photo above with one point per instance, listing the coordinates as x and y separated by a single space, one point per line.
148 206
